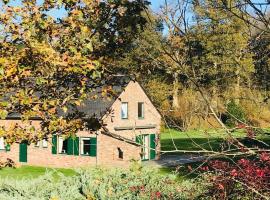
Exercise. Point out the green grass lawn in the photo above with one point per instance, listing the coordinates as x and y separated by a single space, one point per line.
200 139
32 172
189 140
196 140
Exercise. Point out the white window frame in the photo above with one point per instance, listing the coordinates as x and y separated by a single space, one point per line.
60 147
124 105
2 143
82 145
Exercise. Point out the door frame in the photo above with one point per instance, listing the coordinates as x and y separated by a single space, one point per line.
144 147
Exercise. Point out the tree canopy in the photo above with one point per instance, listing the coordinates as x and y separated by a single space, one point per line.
47 64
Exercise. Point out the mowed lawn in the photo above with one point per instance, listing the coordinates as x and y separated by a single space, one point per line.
170 140
32 172
208 140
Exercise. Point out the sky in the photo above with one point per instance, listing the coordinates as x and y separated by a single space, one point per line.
155 5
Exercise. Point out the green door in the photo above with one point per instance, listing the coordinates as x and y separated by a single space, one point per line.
23 152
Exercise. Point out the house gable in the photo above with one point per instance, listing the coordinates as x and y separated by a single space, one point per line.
133 94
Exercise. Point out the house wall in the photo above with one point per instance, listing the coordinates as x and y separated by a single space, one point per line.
107 147
133 94
107 153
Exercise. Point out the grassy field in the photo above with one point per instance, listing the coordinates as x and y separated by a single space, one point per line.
32 172
199 139
189 140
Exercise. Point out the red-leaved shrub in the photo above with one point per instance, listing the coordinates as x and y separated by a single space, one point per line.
239 179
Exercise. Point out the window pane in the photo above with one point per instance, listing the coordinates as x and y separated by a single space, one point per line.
141 110
124 110
62 147
85 146
65 146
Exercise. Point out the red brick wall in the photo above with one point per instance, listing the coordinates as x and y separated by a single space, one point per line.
107 152
133 94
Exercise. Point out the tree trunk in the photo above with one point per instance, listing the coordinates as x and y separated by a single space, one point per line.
237 87
175 103
214 99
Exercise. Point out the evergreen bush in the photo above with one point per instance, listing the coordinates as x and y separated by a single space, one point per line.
99 183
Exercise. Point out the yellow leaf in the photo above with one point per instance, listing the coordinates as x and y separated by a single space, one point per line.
65 109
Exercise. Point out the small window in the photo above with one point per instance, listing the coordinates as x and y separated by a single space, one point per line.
120 153
2 143
85 146
124 110
62 148
140 110
44 143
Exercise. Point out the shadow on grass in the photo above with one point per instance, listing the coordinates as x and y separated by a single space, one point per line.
183 172
191 144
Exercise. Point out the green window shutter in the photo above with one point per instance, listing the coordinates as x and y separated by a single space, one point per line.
7 147
139 139
76 146
70 146
93 147
54 144
23 152
152 146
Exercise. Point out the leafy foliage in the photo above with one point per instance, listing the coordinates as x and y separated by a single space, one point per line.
7 163
134 183
246 178
48 66
236 114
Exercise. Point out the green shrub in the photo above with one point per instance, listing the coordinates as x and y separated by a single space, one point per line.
97 183
235 114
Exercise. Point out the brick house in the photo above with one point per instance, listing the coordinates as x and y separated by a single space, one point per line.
130 131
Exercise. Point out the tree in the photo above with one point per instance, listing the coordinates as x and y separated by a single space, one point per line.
48 65
144 52
254 13
225 60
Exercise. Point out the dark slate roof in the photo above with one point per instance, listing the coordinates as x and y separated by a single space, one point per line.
93 107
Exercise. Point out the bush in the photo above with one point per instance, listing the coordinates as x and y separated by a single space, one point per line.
235 114
97 183
244 179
